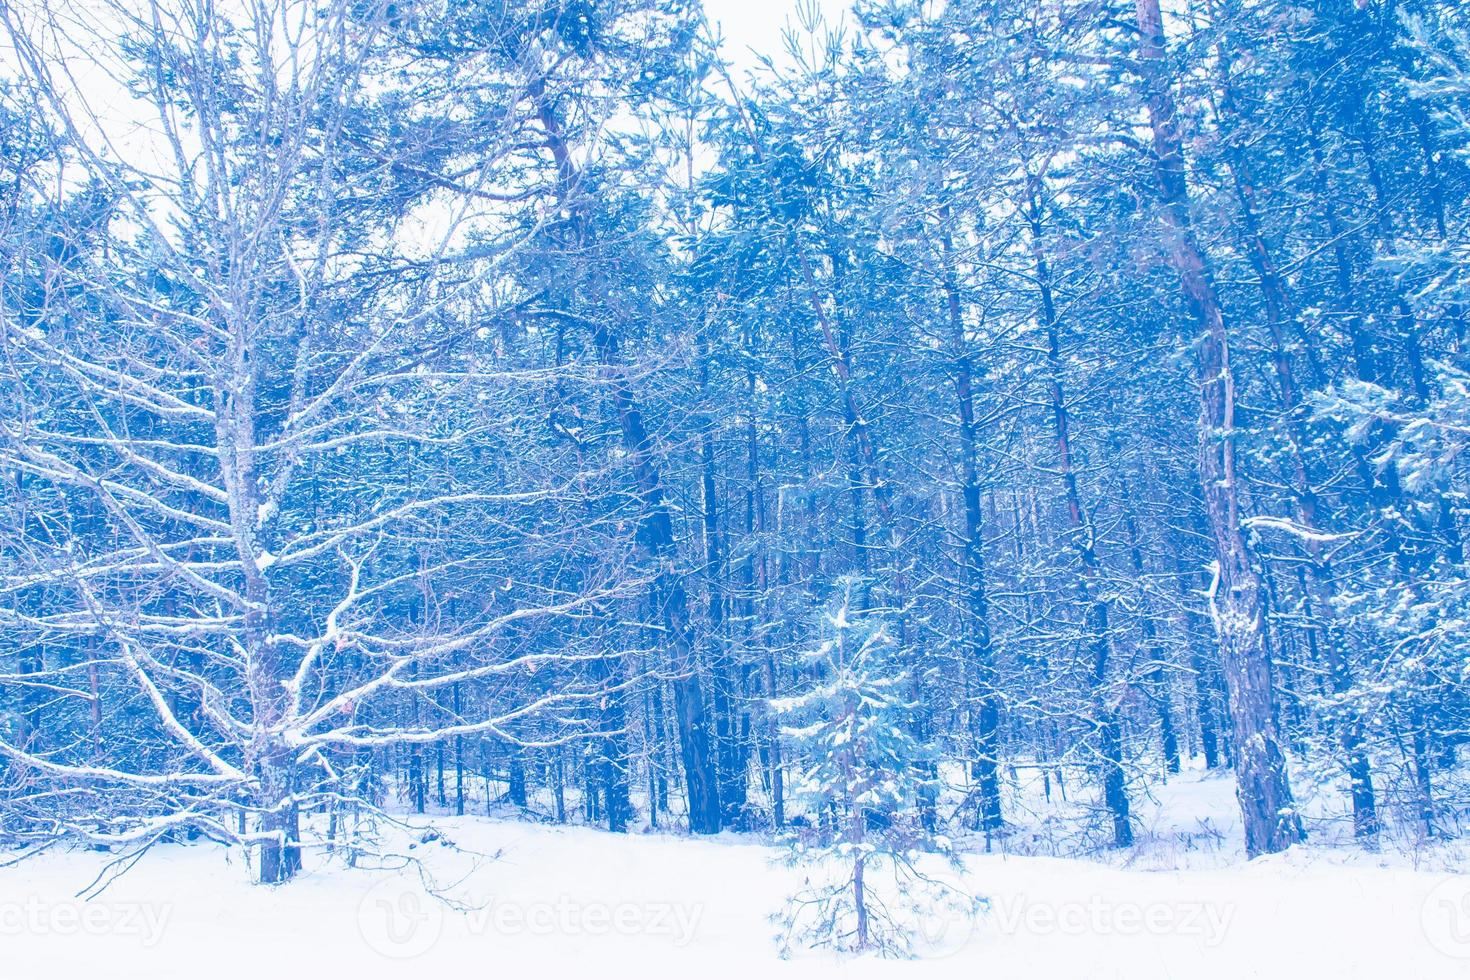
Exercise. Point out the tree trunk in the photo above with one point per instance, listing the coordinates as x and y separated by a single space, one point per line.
458 756
1318 573
1263 791
1160 684
729 749
984 697
515 765
671 600
1097 626
280 853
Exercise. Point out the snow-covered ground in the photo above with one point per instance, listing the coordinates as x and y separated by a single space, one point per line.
564 901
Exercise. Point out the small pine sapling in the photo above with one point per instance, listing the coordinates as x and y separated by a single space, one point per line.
868 862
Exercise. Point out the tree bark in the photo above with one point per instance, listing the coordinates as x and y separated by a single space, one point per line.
671 600
1160 684
984 695
1097 625
1263 790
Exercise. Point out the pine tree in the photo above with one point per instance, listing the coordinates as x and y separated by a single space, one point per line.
860 782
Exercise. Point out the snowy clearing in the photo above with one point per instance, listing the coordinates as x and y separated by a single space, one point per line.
561 899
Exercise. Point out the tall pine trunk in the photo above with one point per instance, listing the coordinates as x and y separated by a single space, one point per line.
984 695
1262 788
1097 615
670 597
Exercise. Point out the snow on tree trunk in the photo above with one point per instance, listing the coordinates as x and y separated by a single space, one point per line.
1262 789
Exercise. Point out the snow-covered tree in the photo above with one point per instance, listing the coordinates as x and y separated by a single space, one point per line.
860 782
268 479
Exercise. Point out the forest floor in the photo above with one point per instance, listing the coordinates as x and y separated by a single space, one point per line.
525 899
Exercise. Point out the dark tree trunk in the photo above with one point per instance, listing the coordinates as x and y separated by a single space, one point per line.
983 696
730 756
515 764
559 786
458 756
1097 626
1207 684
612 748
1160 682
671 600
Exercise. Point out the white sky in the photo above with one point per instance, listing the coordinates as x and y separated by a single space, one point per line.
752 27
121 127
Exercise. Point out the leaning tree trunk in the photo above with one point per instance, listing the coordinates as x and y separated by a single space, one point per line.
1262 788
